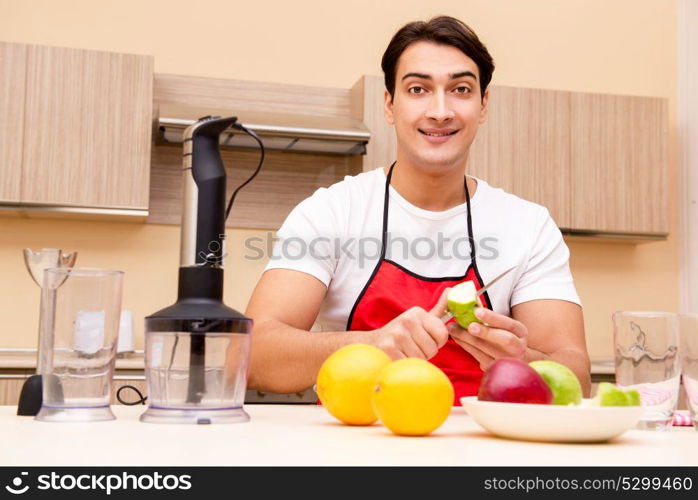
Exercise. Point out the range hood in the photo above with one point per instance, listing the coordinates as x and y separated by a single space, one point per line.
286 132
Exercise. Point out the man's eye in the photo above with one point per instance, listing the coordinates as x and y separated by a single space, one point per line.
416 90
462 90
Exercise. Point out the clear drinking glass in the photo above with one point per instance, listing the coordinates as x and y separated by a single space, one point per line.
647 359
688 324
80 311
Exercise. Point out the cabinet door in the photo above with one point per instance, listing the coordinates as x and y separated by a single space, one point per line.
523 147
87 130
619 164
367 98
13 67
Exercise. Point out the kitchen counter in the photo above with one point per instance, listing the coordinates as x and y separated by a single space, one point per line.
26 359
16 364
308 435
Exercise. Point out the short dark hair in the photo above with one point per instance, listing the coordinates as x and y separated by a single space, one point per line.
443 30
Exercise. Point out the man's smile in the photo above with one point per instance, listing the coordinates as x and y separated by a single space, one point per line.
437 135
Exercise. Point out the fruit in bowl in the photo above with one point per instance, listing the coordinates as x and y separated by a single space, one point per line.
611 395
606 416
562 381
510 380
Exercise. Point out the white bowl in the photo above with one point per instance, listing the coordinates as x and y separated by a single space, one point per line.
573 424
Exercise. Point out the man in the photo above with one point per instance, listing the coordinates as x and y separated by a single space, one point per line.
322 272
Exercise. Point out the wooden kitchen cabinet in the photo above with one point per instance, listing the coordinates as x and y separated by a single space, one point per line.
78 130
13 65
618 148
523 147
87 130
367 103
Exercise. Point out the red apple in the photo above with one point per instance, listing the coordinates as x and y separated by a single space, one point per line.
510 380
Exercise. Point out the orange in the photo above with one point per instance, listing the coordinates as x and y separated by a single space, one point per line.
412 397
346 381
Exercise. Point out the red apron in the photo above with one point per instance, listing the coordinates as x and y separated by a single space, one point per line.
392 289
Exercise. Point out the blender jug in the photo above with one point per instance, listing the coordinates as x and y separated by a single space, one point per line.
196 370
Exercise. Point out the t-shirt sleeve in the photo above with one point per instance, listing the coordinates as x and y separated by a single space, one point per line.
306 240
547 272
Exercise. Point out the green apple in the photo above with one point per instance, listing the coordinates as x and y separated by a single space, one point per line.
562 381
633 397
611 395
462 301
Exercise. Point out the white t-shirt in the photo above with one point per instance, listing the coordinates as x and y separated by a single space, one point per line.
335 236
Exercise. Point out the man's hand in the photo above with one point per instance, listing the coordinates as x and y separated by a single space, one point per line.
501 337
416 333
539 329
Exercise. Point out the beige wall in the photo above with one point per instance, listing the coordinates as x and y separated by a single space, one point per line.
611 46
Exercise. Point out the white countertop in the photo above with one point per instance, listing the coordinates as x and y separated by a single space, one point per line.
308 435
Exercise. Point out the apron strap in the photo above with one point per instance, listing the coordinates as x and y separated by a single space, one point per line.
386 198
470 222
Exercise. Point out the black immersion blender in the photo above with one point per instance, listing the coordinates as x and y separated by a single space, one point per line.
187 384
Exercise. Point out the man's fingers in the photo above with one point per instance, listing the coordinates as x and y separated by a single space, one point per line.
399 355
483 345
415 344
493 341
412 349
436 329
480 356
439 308
433 336
492 334
429 334
427 345
502 322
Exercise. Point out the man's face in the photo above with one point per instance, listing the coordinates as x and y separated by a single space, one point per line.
437 106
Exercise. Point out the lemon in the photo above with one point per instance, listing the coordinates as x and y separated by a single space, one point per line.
346 380
412 397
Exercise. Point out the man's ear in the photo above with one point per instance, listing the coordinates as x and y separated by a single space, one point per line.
388 108
485 106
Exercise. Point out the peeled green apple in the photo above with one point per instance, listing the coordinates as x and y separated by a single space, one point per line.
611 395
562 381
633 397
462 301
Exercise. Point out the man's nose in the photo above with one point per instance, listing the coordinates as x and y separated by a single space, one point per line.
439 108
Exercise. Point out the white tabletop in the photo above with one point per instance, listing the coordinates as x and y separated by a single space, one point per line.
308 435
